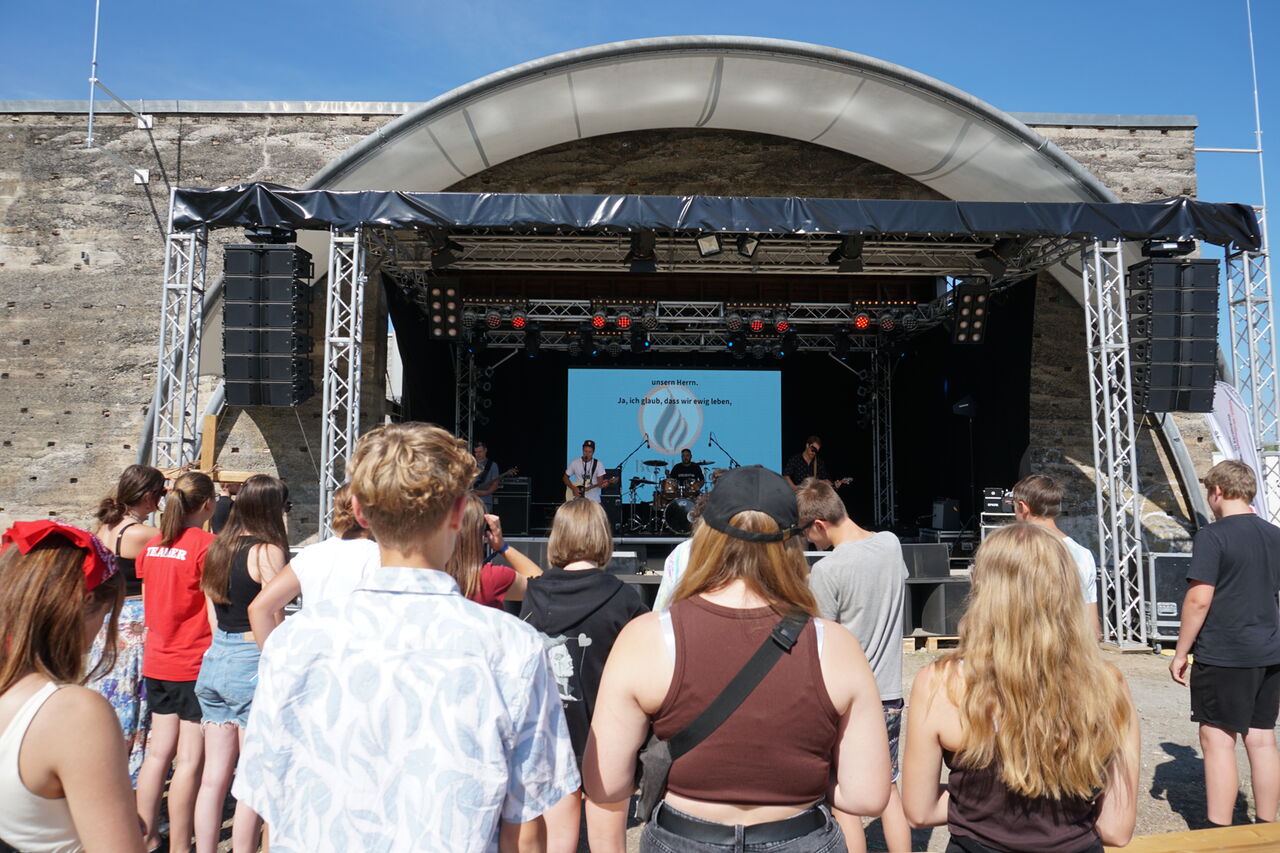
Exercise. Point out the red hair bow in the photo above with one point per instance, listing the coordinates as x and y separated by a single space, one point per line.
99 563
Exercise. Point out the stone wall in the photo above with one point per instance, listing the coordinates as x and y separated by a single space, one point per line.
81 260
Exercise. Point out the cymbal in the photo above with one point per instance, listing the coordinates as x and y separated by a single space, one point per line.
640 481
655 463
702 462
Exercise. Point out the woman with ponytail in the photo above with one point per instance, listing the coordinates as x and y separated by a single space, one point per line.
123 528
247 553
1039 732
178 634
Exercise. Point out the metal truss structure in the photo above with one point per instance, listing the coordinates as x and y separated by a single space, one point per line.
343 344
178 362
1123 604
1251 313
882 438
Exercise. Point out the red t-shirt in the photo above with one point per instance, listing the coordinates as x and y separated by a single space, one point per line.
174 607
494 583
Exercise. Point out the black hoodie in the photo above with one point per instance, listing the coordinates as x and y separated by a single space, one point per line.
579 613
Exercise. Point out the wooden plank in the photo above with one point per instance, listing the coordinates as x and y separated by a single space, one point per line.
209 442
1252 838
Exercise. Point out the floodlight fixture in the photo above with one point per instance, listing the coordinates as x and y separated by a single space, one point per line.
887 321
708 245
615 347
519 319
493 318
756 323
642 256
970 308
862 321
733 321
649 319
1167 248
747 245
847 257
444 252
999 257
780 321
599 319
909 321
623 320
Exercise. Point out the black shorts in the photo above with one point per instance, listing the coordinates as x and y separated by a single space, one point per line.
173 697
1235 698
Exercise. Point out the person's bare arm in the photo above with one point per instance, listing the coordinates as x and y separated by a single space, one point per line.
1091 616
530 837
518 587
1119 811
862 747
522 565
91 768
924 799
1194 608
266 561
210 613
266 611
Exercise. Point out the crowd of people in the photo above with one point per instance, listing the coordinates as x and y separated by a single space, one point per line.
759 707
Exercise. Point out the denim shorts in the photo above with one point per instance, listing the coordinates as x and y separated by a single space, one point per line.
827 839
228 677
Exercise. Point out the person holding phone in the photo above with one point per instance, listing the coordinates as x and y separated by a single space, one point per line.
481 580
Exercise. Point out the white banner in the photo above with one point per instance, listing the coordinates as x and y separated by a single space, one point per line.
1232 425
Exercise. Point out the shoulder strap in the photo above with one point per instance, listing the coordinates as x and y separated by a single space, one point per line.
120 535
783 636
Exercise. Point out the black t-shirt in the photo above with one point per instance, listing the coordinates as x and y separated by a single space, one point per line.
685 469
797 469
221 512
1240 556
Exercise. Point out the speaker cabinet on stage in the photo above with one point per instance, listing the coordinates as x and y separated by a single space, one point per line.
511 505
266 315
1167 586
1173 334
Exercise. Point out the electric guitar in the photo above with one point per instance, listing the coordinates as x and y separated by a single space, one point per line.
510 472
572 492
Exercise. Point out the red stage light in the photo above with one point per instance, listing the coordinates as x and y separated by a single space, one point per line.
862 321
598 320
756 323
518 321
782 326
624 321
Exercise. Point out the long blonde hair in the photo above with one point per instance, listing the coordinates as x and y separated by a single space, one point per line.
467 558
775 571
1032 691
580 531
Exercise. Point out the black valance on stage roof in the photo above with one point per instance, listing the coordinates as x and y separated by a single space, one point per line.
260 205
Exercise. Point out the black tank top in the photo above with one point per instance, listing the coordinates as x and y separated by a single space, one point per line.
127 565
234 616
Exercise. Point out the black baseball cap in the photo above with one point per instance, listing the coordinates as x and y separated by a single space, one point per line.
752 487
589 443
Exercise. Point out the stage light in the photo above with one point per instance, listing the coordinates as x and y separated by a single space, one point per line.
733 321
886 322
468 318
999 257
756 323
493 318
708 245
862 321
909 321
615 347
642 256
757 351
595 346
970 305
780 321
639 339
649 319
779 352
599 319
862 391
786 345
862 408
623 320
444 252
477 340
736 343
1166 248
575 340
847 257
532 340
747 245
519 319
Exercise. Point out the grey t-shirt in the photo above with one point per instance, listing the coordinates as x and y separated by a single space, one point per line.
862 585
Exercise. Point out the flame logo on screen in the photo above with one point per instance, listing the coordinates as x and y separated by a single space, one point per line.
672 417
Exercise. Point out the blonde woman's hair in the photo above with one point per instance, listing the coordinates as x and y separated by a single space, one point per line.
776 571
468 549
1033 692
407 477
580 531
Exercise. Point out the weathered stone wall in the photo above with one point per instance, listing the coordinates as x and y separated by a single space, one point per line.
78 349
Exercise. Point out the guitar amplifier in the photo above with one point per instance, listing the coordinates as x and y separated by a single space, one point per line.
511 505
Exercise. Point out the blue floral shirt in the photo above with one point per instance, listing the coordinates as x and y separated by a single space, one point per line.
403 718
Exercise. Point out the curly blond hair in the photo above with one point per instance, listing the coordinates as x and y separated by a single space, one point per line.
407 477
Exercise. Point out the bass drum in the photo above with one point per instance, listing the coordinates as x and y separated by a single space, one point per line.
677 515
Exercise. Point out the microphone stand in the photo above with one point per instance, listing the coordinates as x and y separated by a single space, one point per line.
733 463
622 467
644 442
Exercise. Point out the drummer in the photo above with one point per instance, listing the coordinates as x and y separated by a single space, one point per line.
685 469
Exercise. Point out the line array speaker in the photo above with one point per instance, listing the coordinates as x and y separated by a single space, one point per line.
1173 334
266 317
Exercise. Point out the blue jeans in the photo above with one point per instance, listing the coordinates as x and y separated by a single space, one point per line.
828 839
228 678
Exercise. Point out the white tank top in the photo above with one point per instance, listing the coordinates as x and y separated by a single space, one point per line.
29 822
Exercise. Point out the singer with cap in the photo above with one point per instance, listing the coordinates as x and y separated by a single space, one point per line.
585 476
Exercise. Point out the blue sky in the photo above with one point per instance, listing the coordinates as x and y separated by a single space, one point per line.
1083 56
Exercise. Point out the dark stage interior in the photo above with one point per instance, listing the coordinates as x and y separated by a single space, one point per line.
527 420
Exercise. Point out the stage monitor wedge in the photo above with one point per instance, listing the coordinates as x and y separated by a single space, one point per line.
1173 334
266 318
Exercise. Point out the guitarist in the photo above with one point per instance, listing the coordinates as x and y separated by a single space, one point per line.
487 478
585 471
806 464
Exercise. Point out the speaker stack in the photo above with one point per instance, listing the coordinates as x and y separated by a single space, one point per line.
1173 334
266 318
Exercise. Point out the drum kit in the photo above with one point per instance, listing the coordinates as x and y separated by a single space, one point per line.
673 499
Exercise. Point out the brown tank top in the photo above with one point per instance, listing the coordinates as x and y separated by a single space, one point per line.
777 747
982 808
